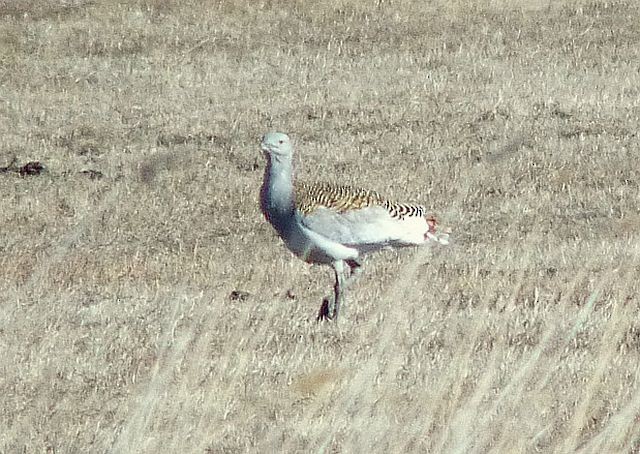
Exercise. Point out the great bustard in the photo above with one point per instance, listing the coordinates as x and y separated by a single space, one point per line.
334 225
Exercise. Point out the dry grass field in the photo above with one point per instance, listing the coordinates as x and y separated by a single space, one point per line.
146 306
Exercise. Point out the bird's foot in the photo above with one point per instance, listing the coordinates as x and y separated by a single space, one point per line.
323 313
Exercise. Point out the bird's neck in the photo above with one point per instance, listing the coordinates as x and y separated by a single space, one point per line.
276 196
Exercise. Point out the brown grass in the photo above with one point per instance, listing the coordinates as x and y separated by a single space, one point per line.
516 122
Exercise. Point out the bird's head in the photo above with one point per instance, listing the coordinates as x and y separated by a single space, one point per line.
277 144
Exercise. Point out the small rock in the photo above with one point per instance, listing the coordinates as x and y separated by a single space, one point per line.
31 168
92 174
239 295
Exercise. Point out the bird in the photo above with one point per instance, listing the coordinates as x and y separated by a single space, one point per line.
335 225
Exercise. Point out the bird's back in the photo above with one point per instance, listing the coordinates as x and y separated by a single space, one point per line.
341 198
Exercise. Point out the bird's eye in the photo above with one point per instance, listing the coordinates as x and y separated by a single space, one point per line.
280 141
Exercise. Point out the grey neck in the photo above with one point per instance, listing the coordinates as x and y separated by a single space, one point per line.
276 197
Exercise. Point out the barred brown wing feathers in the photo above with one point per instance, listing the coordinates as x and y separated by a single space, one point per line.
402 210
309 197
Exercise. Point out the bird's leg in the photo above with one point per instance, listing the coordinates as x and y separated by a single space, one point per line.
338 291
338 266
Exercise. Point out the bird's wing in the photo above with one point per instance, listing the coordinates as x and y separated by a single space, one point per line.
367 228
361 218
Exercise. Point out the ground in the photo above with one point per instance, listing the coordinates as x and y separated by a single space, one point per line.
146 305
